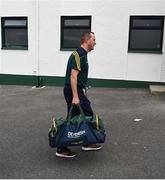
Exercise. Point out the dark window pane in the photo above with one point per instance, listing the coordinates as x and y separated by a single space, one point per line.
72 28
15 37
72 37
145 39
76 22
146 34
14 33
146 23
15 23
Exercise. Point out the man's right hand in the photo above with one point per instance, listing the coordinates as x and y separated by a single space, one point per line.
76 100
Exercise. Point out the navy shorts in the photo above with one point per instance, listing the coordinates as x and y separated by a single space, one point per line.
84 102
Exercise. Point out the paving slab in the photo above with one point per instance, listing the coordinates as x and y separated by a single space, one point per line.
156 90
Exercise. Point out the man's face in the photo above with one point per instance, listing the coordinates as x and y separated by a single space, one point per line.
91 42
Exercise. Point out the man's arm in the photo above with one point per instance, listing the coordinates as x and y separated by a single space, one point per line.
73 80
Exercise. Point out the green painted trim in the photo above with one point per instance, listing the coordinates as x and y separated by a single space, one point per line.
39 81
9 79
51 81
121 83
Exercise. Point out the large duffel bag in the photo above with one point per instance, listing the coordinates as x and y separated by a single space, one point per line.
79 130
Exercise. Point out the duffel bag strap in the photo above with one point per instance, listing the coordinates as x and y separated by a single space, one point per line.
71 109
97 122
54 128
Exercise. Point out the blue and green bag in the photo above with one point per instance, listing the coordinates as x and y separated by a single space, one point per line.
79 130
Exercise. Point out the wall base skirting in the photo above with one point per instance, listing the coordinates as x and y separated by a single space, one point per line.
38 81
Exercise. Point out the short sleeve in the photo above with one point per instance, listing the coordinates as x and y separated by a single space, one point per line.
75 61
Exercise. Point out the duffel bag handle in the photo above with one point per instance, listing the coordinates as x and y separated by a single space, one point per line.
71 109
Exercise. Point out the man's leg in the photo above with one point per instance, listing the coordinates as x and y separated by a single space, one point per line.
86 106
65 151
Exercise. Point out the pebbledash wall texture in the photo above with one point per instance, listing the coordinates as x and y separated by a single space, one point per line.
112 64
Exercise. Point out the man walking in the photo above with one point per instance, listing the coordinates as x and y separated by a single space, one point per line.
75 82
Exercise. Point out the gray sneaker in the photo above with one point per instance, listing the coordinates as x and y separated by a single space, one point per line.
92 147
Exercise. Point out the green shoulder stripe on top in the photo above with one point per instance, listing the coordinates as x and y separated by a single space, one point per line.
77 58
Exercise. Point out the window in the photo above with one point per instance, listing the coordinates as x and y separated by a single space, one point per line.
146 34
14 33
71 30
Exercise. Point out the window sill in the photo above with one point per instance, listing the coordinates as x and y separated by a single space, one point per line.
145 52
14 48
68 49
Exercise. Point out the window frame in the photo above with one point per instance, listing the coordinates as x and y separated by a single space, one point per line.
148 50
13 47
63 27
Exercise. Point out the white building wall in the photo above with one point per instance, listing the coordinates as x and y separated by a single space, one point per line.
145 66
52 60
19 61
162 74
110 22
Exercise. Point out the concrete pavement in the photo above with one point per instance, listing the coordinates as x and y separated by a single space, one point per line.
134 148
